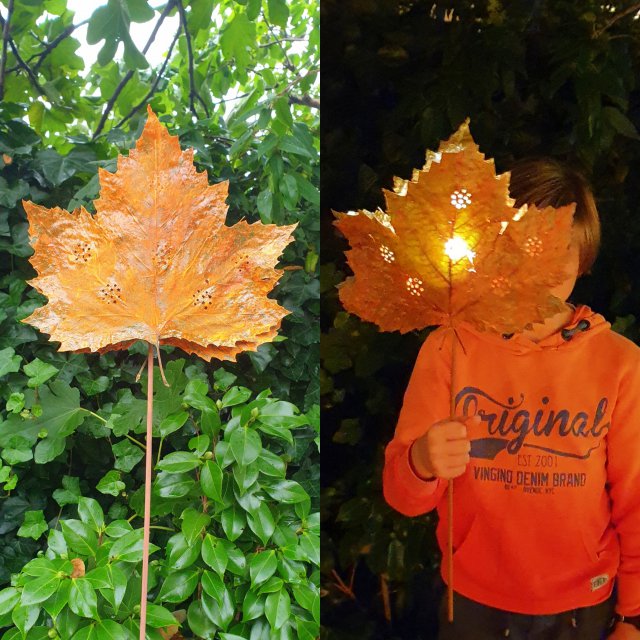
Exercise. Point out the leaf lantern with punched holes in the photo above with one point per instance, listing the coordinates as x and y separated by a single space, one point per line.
452 248
155 263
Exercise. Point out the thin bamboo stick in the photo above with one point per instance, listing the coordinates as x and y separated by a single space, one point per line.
147 497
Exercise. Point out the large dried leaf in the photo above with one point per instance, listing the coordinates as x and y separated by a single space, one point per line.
500 279
156 262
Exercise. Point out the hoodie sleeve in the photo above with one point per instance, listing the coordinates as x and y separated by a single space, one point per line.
623 475
426 401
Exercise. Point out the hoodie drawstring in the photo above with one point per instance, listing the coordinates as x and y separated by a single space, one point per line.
583 325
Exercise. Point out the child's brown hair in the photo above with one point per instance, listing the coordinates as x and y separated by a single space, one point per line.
544 182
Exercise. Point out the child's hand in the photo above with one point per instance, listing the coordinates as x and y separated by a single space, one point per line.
443 451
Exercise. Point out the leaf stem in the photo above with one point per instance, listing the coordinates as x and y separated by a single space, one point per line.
143 447
159 449
95 415
126 435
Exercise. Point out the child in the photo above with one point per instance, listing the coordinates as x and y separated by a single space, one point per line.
545 452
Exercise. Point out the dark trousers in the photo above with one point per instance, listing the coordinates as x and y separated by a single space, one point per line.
475 621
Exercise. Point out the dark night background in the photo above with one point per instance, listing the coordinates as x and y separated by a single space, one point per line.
551 78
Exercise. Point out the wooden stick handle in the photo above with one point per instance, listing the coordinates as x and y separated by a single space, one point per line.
452 409
450 551
147 498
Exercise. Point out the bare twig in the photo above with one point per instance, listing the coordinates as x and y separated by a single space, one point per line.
297 79
21 63
154 85
305 100
192 83
347 590
5 42
32 76
129 73
54 43
280 40
633 8
288 64
49 47
386 601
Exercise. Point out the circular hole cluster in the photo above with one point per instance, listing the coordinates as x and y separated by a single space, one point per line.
461 199
203 297
533 246
161 258
387 254
81 251
414 286
111 293
500 286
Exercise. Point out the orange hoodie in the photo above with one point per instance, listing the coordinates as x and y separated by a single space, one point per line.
547 513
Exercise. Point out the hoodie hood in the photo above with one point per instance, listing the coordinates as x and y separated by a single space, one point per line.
584 324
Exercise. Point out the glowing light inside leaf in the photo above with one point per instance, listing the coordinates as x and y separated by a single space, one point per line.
456 248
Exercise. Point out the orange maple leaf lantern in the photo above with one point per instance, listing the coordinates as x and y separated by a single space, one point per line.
451 248
155 263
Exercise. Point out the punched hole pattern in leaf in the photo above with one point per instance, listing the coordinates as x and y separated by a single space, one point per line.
414 286
387 254
161 258
203 297
533 246
461 199
82 251
110 293
500 286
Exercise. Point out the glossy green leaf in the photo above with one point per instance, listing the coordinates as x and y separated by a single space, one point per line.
179 462
91 513
193 524
245 445
181 553
172 423
277 608
38 590
80 537
262 566
158 616
178 586
82 598
214 553
211 480
199 621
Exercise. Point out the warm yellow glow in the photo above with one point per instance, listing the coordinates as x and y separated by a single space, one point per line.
456 249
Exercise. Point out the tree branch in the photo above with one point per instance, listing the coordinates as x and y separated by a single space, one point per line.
280 40
130 73
288 64
21 63
49 47
27 68
192 84
633 8
5 42
297 79
154 85
306 101
54 43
